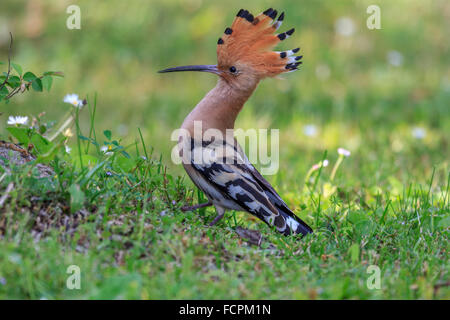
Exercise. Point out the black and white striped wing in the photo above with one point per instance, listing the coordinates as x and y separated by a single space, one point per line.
229 172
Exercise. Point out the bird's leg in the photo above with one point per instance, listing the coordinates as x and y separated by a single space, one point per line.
220 213
197 206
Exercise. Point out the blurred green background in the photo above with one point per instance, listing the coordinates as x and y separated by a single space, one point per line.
383 94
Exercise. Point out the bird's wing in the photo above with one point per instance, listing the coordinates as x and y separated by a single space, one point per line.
226 168
273 196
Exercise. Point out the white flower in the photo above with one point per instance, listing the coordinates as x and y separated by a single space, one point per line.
310 130
395 58
343 152
68 149
73 100
345 26
68 133
17 120
418 132
106 150
323 164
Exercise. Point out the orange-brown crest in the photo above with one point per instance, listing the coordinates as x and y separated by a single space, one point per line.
249 41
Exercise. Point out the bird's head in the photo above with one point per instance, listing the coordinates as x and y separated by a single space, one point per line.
244 55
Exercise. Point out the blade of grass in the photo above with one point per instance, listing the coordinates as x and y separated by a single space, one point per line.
92 117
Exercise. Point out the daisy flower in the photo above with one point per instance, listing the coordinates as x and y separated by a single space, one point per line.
17 120
74 100
344 152
106 150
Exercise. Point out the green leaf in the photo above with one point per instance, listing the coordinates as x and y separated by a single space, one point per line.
21 134
41 144
85 179
47 82
125 154
37 85
29 76
77 198
107 134
14 82
88 139
51 154
42 129
4 92
17 67
83 138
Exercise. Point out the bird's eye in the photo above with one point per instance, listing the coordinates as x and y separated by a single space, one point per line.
233 69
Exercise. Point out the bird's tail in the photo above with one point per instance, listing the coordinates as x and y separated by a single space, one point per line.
294 225
286 221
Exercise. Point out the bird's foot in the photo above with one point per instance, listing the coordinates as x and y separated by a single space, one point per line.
217 219
197 206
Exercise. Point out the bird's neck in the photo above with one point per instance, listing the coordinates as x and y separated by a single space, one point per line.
219 108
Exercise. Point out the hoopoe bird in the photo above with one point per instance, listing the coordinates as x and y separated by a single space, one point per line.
214 160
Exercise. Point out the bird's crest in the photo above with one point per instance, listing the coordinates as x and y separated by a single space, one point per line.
250 39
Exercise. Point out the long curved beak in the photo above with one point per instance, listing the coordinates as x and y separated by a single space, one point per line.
203 68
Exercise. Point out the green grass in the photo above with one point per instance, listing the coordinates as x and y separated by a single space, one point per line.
131 240
118 218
